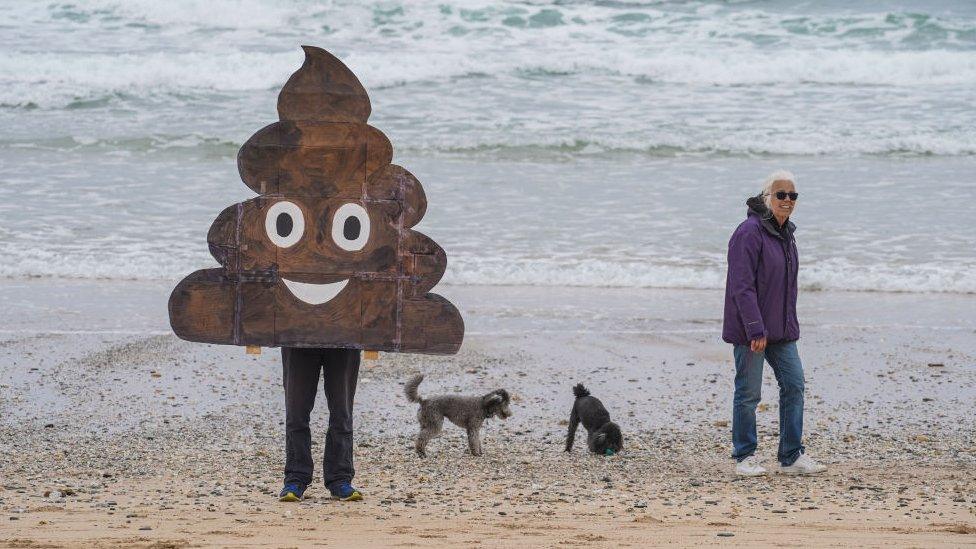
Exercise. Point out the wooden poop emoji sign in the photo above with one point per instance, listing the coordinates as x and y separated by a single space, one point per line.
325 255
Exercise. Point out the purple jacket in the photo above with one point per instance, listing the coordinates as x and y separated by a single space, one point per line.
760 288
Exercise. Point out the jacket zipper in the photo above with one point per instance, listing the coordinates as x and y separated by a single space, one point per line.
786 291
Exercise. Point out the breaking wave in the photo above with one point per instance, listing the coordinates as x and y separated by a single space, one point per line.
835 274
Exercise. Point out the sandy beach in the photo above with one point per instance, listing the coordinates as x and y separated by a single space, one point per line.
584 165
115 433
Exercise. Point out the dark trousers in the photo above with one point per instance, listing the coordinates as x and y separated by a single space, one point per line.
300 374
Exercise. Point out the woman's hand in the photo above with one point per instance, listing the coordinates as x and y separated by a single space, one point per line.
758 345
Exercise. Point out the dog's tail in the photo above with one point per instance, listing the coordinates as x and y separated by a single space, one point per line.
580 391
411 388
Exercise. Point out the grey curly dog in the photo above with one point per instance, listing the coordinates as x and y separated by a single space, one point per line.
468 412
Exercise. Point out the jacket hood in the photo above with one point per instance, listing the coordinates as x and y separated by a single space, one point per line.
757 207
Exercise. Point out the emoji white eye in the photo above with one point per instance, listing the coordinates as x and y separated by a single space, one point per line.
284 224
350 227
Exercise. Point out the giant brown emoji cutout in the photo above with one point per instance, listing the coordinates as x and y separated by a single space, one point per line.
325 256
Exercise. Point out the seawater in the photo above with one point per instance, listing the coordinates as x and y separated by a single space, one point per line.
583 144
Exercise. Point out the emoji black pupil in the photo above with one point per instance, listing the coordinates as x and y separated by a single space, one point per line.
350 229
284 224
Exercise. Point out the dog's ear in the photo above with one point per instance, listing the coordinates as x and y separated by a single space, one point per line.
600 438
494 399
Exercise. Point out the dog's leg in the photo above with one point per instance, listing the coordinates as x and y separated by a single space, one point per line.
474 440
422 439
573 425
429 428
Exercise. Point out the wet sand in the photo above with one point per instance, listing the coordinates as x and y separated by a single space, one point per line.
115 433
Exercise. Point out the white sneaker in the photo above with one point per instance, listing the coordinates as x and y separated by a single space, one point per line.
749 467
804 465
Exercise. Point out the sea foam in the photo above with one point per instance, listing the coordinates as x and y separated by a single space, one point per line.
138 106
835 274
57 79
152 48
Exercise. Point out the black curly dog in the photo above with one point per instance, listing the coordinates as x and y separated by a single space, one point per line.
601 433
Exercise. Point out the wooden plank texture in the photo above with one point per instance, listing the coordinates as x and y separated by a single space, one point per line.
325 255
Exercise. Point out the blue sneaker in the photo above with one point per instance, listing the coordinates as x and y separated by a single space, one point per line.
344 491
292 491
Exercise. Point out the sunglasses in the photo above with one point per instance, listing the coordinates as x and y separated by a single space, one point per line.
781 195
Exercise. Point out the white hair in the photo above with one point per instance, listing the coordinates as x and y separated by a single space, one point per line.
778 175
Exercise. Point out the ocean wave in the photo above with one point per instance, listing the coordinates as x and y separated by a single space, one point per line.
57 56
832 274
59 80
179 143
914 24
731 144
837 67
838 274
542 147
66 80
36 262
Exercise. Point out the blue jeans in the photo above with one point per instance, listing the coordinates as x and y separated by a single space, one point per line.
785 361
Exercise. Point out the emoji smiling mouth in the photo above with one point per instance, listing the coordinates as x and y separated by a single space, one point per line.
314 294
